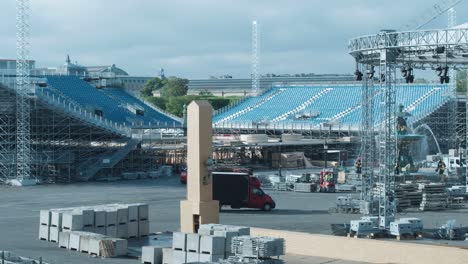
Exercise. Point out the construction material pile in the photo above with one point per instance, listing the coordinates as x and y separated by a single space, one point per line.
305 187
215 243
105 226
408 195
433 196
257 247
346 204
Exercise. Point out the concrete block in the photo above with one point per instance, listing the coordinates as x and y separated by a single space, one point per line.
84 243
54 234
242 230
122 215
111 231
193 243
179 257
72 221
56 217
210 258
122 230
167 255
74 243
45 217
228 235
179 241
151 255
88 217
143 212
100 230
64 240
143 228
121 246
193 257
133 213
111 217
99 218
44 232
213 245
132 229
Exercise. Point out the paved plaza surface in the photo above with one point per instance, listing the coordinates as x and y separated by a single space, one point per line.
306 212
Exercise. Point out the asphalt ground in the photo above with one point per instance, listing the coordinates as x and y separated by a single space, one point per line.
305 212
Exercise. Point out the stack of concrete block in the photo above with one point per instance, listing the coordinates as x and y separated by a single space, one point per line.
93 244
113 220
211 244
433 201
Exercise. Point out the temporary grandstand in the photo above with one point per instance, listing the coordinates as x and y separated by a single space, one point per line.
329 108
79 132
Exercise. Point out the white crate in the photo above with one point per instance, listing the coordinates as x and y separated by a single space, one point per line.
143 228
122 230
100 218
111 217
179 257
179 241
44 232
193 243
193 257
167 255
111 231
72 221
132 229
45 217
213 245
54 234
56 217
133 213
122 215
151 255
64 240
84 243
88 217
74 243
143 212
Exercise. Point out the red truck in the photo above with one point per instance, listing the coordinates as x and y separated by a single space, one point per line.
237 188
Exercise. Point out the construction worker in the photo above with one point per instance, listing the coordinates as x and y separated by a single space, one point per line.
441 167
358 166
397 168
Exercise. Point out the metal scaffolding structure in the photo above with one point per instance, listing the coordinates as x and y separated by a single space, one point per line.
367 134
255 59
389 50
23 90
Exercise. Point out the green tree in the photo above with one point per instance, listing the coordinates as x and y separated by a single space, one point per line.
462 81
205 92
158 101
153 85
175 87
175 105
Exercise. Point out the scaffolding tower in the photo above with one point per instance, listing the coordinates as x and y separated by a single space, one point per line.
23 90
255 60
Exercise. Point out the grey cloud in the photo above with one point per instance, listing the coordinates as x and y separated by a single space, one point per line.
198 38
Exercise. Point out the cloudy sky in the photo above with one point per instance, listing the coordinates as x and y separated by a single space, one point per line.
199 38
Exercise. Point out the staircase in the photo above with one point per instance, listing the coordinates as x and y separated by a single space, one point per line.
302 106
109 159
252 107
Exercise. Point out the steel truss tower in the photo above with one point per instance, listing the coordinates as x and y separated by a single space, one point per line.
255 60
23 88
387 138
367 135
